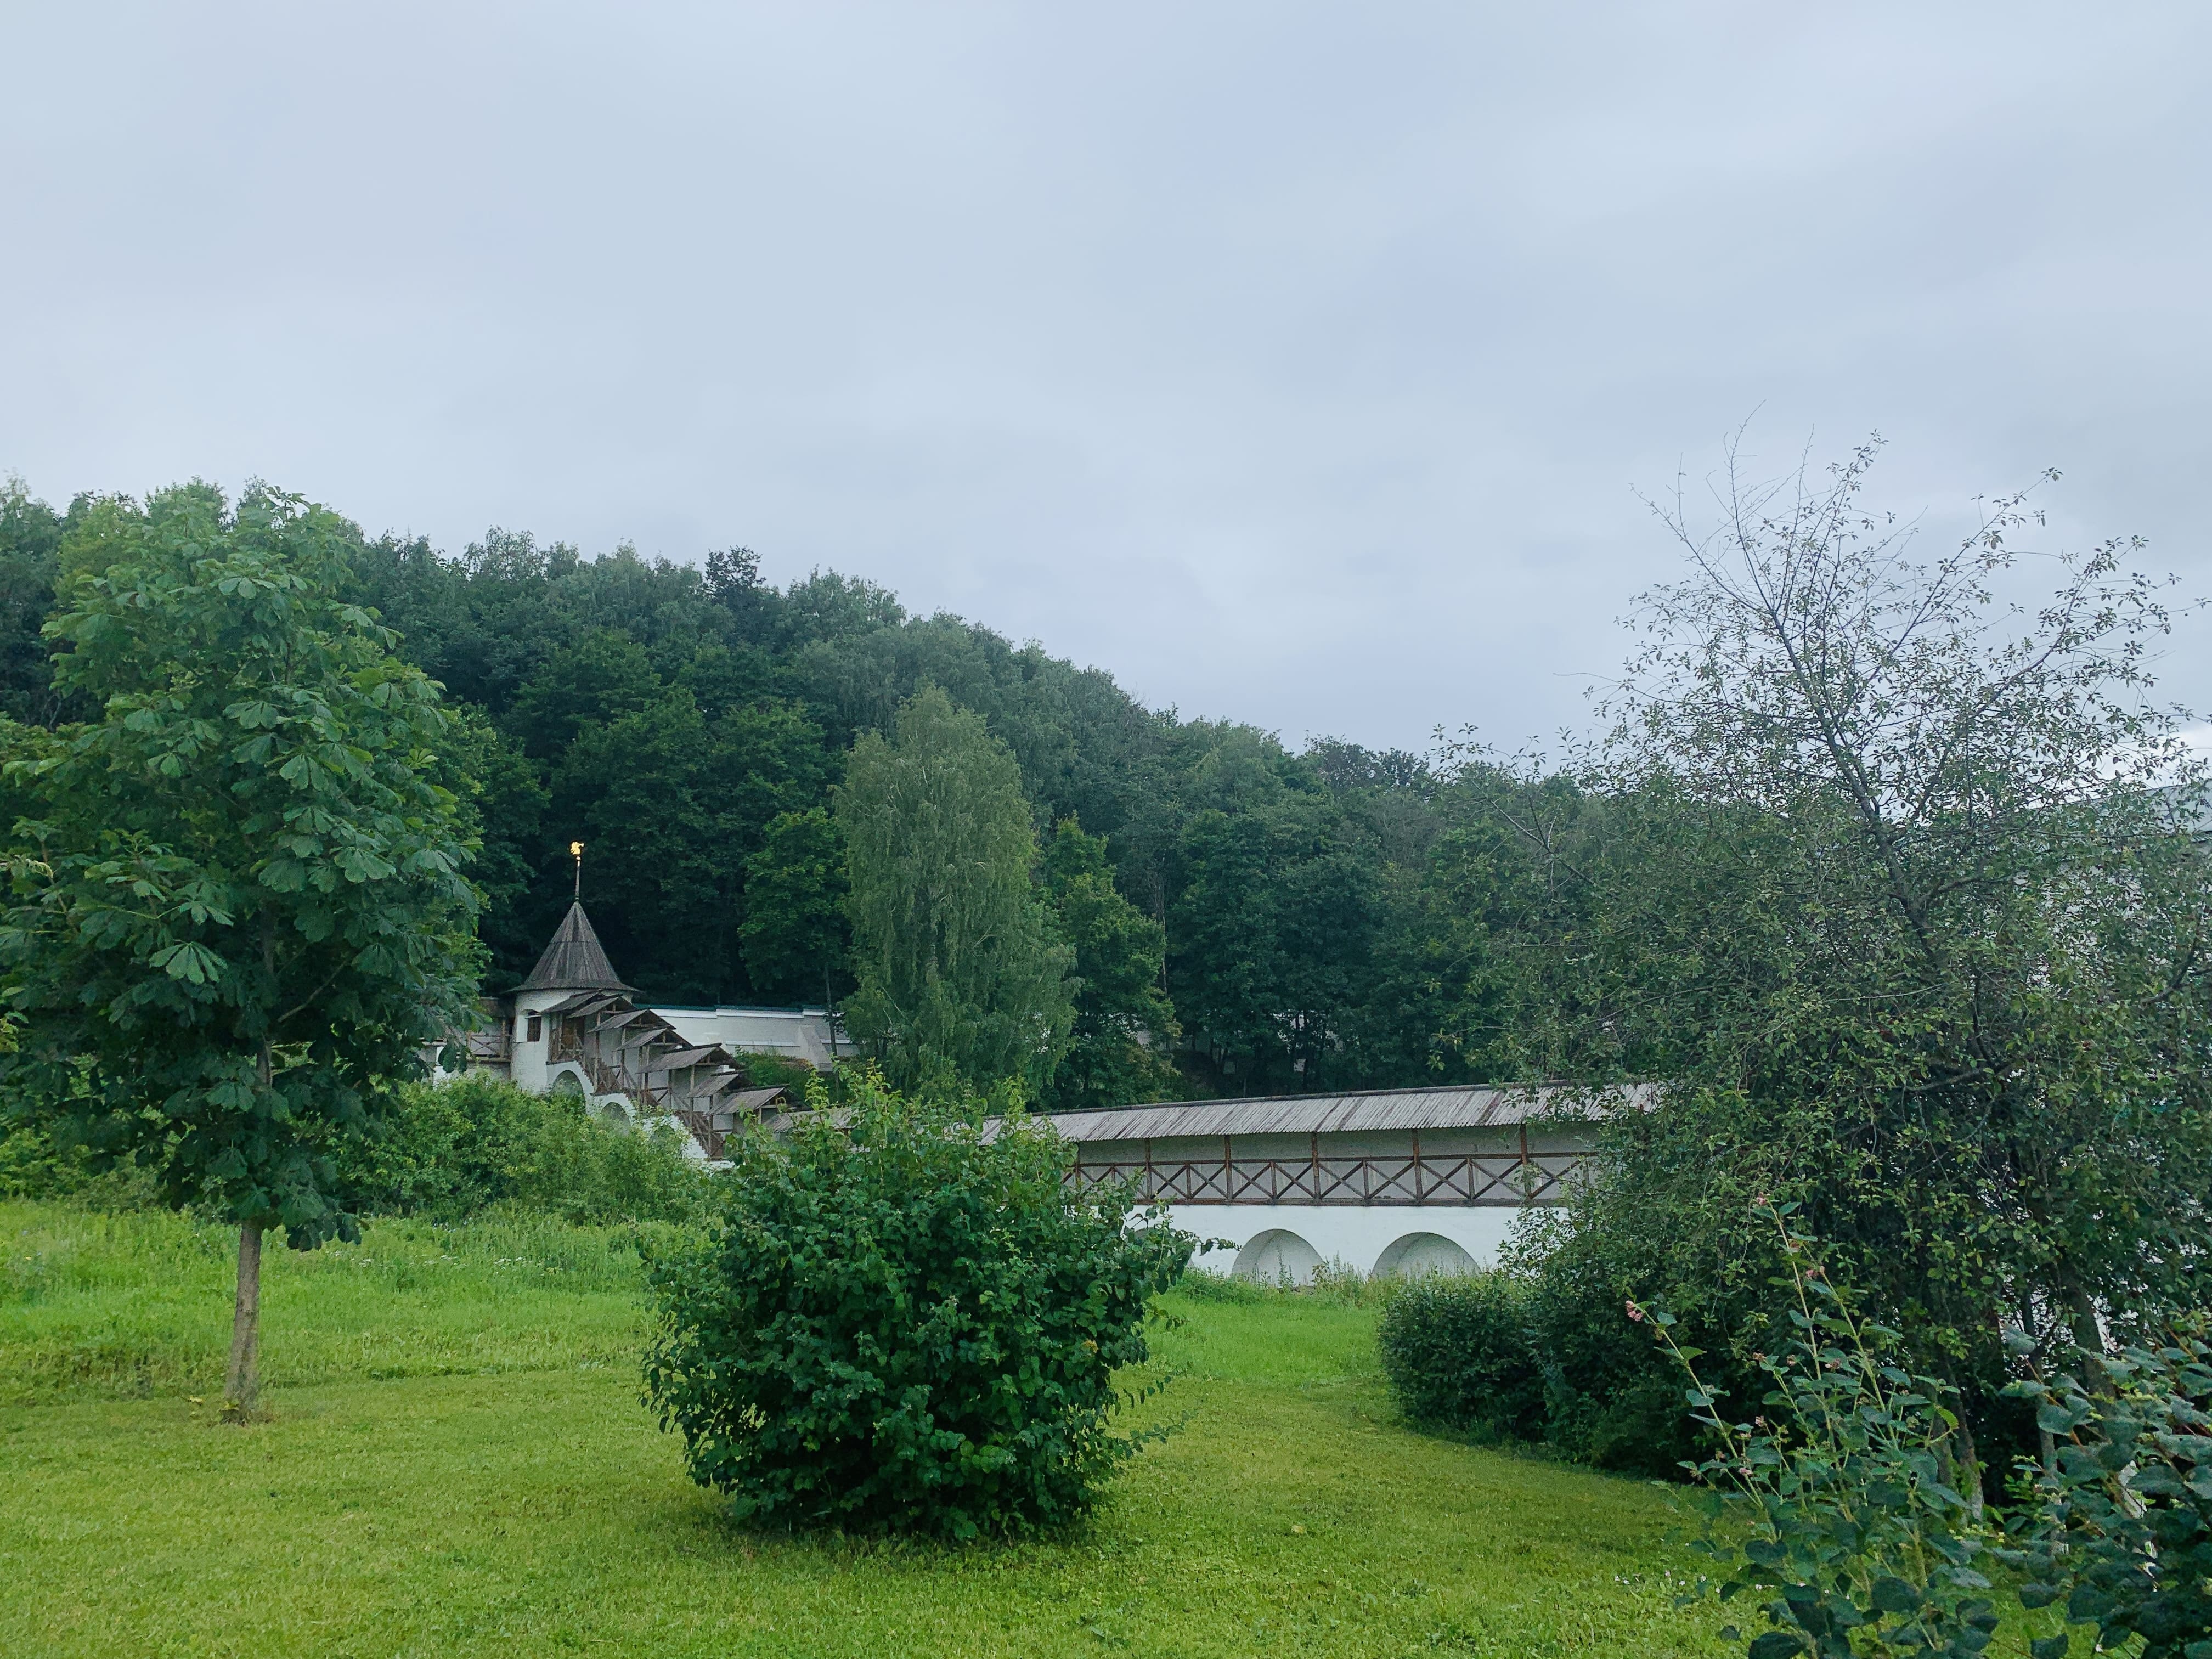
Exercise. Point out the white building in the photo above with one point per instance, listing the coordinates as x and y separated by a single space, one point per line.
807 1035
572 1027
1427 1179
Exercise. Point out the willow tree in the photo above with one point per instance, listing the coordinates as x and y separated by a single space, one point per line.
961 974
238 909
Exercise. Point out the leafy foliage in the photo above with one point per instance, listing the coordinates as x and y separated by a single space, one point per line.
2120 1526
449 1151
1124 1029
1538 1349
240 906
1858 1541
904 1323
1457 1353
795 935
679 800
1610 1399
1885 879
961 976
33 1166
1313 914
31 535
1273 927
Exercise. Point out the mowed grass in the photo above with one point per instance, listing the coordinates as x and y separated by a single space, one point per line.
458 1464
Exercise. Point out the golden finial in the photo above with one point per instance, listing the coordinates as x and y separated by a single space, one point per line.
576 852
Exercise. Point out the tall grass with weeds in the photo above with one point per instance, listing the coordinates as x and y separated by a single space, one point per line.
1335 1283
97 1303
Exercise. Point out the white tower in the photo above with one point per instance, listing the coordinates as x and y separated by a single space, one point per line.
575 961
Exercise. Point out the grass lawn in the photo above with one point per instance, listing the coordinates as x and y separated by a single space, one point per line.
458 1464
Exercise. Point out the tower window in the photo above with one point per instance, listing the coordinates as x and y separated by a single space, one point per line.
536 1029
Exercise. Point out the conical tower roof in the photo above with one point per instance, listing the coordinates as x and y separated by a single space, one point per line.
575 961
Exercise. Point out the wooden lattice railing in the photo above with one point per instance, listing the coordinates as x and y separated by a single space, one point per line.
606 1079
1498 1179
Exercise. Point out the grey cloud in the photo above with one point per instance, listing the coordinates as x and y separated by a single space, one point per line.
1294 362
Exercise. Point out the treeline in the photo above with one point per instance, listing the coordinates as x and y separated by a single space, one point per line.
1896 898
1315 919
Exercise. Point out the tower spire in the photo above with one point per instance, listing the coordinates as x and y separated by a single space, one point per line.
576 852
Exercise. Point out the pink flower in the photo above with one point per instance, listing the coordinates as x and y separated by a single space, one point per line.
1636 1313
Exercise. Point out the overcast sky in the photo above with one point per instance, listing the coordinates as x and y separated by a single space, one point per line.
1295 363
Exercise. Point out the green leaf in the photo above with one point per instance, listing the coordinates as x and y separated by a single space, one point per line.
2054 1647
1775 1644
2034 1595
1894 1594
192 962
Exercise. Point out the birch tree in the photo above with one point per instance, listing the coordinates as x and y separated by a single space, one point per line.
961 973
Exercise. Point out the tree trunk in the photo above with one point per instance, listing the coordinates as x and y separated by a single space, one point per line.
1970 1467
242 1388
2089 1337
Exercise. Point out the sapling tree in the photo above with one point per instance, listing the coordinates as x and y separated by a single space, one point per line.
237 904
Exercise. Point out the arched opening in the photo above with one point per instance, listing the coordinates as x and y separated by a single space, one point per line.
1277 1256
615 1113
1417 1254
568 1087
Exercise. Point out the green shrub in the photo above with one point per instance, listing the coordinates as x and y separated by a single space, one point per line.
1457 1354
899 1324
2118 1531
1541 1348
1844 1531
1611 1399
32 1166
766 1070
454 1149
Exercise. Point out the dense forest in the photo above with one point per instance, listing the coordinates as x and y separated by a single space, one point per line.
1309 913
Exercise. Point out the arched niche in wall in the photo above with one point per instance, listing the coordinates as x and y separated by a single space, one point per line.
1415 1254
1277 1256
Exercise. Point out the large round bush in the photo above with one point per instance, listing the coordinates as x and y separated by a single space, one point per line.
1458 1354
902 1322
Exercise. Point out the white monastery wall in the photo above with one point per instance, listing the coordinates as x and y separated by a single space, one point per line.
1265 1240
